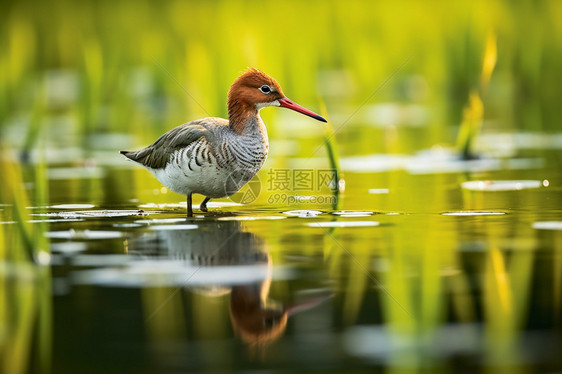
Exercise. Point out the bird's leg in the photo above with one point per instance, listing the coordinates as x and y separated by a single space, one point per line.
189 205
203 205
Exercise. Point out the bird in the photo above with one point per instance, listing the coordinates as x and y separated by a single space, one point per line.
216 157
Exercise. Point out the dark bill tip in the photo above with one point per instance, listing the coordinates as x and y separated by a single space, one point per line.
286 103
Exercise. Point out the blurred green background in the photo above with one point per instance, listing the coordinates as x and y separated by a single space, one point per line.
104 67
80 80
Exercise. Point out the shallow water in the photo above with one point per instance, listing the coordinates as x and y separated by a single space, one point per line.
420 262
427 275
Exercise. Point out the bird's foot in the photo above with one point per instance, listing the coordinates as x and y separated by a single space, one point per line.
203 205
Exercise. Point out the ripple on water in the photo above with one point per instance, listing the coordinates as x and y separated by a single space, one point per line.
72 206
162 206
127 225
547 225
501 185
159 220
55 220
69 247
344 224
94 214
303 213
432 161
173 227
70 173
379 191
211 204
352 213
83 234
165 272
218 204
473 213
250 218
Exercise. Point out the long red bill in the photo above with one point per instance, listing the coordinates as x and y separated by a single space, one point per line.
286 103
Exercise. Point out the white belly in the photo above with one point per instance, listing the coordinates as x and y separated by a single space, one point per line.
207 179
183 174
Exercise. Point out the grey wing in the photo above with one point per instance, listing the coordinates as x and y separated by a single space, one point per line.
157 154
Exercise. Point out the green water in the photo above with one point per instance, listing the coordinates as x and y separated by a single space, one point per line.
414 260
394 279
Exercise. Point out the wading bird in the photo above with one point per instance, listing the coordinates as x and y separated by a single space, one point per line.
215 157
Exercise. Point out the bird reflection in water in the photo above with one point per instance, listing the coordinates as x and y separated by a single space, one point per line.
245 271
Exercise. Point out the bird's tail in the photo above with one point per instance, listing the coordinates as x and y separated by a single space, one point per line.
127 154
133 156
143 156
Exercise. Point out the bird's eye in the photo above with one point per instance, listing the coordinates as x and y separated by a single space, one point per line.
265 89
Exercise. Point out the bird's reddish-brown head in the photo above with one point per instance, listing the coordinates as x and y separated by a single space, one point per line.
255 90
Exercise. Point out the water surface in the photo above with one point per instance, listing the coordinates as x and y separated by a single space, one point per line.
428 274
